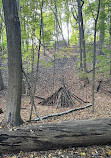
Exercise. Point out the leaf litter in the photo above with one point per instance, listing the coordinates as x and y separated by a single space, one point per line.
102 109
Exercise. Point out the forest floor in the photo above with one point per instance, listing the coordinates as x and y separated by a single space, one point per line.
75 86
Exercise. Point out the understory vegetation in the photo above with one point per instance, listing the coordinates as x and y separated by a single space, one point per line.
55 65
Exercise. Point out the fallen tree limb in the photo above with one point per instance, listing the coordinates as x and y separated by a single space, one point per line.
53 136
39 97
62 113
34 96
79 99
51 98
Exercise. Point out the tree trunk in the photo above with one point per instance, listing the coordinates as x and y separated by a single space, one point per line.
14 62
53 136
102 27
68 16
1 79
34 81
110 37
94 58
81 35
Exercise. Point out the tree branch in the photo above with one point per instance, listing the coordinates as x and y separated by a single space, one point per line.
63 113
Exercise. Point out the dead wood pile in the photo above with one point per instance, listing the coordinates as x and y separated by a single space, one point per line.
61 97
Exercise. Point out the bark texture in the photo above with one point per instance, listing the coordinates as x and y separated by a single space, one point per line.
53 136
81 36
1 80
14 62
102 27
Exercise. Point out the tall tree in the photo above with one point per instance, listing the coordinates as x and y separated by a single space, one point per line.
94 54
102 26
34 81
13 32
110 34
67 19
81 34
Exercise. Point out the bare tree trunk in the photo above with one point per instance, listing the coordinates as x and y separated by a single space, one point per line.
13 31
17 4
42 23
56 43
55 12
56 27
102 26
94 57
80 43
1 79
110 37
81 36
67 6
59 135
34 81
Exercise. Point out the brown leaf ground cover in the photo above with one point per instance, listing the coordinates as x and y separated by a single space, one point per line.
102 109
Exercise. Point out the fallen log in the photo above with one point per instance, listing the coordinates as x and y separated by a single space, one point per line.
53 136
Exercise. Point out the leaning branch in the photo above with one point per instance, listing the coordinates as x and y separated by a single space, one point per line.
63 113
79 99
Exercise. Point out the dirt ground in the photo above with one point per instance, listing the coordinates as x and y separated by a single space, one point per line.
75 86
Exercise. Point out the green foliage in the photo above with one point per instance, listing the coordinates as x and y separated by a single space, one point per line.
74 38
89 57
1 4
30 18
104 61
47 64
5 56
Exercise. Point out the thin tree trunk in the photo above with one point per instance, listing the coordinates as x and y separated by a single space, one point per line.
1 78
58 24
56 43
81 37
31 92
42 23
94 57
110 37
33 88
1 50
67 5
102 26
13 32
